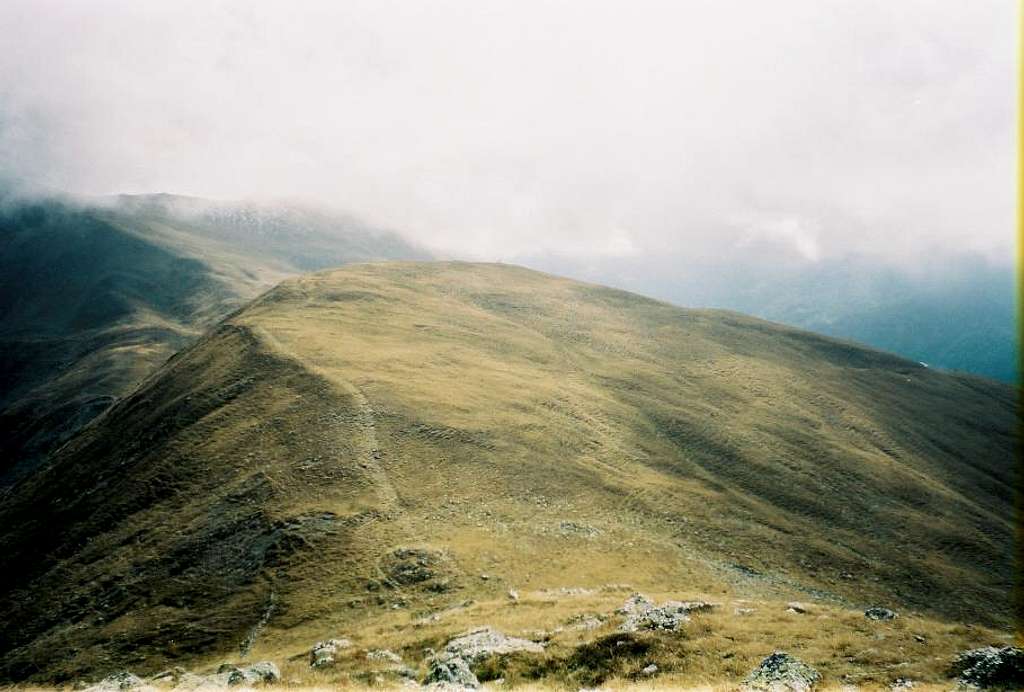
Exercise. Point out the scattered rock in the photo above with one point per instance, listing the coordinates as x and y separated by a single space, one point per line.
798 608
477 645
650 670
744 611
416 567
634 603
383 655
919 639
183 681
513 595
571 528
990 666
264 671
901 685
642 613
449 670
780 672
324 653
879 613
120 681
568 591
585 621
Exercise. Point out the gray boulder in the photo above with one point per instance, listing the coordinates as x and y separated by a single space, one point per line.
990 666
324 654
451 671
264 671
477 645
879 613
780 672
253 674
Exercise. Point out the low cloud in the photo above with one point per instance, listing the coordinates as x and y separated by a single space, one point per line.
800 235
578 127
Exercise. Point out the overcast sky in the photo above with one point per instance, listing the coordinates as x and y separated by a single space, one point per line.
496 129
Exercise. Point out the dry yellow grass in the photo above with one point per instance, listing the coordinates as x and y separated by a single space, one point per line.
545 433
714 650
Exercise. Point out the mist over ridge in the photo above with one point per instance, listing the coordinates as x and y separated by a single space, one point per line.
578 128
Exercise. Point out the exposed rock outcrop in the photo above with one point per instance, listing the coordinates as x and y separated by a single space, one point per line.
121 681
780 672
880 613
324 654
451 671
261 672
479 644
643 614
990 666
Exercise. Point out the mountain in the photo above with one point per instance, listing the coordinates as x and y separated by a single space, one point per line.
960 315
386 450
951 311
95 296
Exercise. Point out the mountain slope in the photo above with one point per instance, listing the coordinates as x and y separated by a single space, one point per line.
381 435
95 297
953 311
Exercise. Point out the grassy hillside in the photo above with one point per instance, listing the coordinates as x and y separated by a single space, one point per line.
955 311
383 451
95 297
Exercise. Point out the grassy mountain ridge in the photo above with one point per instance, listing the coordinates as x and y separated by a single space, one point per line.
93 297
379 436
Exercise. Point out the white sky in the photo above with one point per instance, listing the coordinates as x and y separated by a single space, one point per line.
495 129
